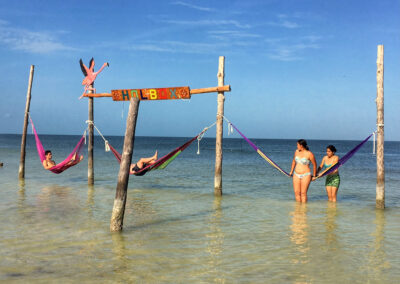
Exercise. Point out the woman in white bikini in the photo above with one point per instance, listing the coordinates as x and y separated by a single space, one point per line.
301 171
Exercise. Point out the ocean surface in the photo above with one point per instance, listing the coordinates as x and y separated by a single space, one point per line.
55 228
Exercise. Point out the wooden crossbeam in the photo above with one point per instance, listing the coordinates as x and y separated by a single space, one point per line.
226 88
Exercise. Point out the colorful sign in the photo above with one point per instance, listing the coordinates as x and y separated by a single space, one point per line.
173 93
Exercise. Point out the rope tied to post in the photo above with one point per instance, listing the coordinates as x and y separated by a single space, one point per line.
374 142
201 135
106 144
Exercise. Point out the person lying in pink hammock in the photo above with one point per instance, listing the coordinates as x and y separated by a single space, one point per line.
48 163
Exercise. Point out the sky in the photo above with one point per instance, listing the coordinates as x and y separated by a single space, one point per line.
297 68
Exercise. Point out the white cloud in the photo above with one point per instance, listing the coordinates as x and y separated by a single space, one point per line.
231 34
205 9
29 41
209 23
291 49
175 47
284 22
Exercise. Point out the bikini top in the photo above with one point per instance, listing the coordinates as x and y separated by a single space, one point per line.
303 161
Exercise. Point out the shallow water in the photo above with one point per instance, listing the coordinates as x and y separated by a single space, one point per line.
55 228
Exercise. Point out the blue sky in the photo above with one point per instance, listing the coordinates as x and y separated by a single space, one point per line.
298 69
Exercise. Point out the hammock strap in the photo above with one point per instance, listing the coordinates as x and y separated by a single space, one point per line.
200 136
106 144
374 143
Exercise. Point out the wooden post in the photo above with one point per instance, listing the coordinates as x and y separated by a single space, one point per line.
380 167
117 217
219 127
21 172
90 140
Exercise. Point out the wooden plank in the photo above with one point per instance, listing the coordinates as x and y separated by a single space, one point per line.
226 88
170 93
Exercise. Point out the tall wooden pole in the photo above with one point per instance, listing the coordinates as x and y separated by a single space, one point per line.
380 167
219 127
21 172
117 217
90 140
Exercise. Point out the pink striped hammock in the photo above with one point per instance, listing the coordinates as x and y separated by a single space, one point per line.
162 162
68 162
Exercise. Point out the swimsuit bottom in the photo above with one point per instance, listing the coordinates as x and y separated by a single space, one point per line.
300 176
138 171
333 180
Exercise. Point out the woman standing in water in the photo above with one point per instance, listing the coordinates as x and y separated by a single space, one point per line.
333 179
301 171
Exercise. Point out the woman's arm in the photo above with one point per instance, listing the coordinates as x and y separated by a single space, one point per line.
321 165
314 162
293 164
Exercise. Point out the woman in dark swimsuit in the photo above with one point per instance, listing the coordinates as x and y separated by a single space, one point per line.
142 163
333 179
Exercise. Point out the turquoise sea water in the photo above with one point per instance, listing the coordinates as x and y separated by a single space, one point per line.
55 228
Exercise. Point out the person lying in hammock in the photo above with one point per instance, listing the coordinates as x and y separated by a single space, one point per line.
136 169
48 163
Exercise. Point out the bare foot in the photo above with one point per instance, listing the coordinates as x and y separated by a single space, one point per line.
81 158
155 155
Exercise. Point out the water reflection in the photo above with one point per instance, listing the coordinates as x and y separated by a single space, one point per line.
57 200
300 240
300 232
21 194
377 259
119 250
215 241
90 199
331 225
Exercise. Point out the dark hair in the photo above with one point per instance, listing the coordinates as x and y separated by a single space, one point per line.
332 148
303 143
47 151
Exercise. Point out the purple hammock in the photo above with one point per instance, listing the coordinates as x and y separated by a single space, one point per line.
161 163
344 159
68 162
327 171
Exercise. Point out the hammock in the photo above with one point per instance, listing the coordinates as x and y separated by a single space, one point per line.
327 171
68 162
344 159
269 160
162 162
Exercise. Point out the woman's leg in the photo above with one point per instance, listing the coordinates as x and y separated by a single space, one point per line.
334 193
329 192
297 188
149 160
305 183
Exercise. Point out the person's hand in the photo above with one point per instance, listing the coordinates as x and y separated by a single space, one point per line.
313 178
